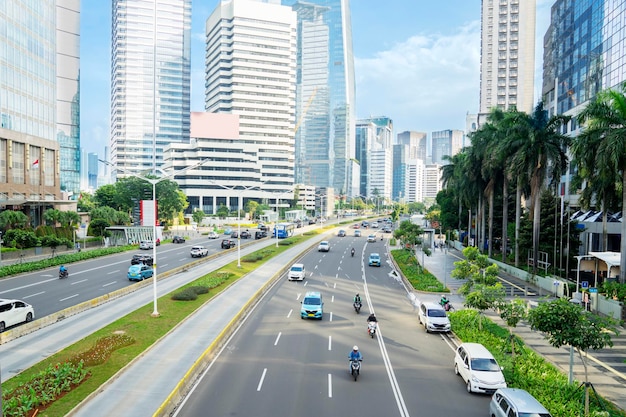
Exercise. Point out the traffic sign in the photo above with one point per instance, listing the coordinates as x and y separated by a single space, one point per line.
584 284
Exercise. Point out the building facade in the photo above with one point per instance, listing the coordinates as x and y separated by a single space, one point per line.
150 81
39 104
507 62
417 142
325 110
250 71
445 143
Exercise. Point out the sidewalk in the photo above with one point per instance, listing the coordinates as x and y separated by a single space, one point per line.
606 367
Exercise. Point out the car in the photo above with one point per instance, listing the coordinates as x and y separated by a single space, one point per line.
14 312
356 226
515 402
312 221
146 244
262 227
433 317
234 235
312 306
374 225
296 272
374 259
478 368
199 251
341 233
387 229
260 234
324 246
357 233
245 234
141 259
228 231
178 239
298 223
365 223
371 238
139 272
213 235
228 243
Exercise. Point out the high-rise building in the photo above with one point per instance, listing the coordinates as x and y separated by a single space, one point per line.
445 143
39 103
374 148
416 142
150 81
251 72
507 63
325 109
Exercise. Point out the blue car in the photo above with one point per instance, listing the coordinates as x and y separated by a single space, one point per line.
139 272
374 259
312 306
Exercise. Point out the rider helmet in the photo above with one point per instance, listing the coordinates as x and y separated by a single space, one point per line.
355 348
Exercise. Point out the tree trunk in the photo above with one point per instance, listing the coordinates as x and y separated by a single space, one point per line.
505 216
490 239
518 215
605 235
536 228
622 261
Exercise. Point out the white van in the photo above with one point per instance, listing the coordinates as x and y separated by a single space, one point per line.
516 402
434 318
296 272
478 368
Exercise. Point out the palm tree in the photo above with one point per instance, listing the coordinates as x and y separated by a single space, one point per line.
604 124
542 156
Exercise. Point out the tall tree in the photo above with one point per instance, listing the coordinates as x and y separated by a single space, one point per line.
542 155
604 125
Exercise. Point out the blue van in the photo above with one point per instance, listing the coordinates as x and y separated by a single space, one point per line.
312 306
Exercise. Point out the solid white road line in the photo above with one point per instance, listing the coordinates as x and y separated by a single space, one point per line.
258 388
277 338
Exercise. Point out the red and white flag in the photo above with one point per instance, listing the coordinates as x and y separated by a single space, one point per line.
36 164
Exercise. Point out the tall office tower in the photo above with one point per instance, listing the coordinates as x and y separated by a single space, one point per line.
507 63
150 81
251 72
416 142
325 110
375 154
445 143
400 165
39 99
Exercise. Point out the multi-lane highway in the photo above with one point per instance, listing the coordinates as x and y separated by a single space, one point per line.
278 364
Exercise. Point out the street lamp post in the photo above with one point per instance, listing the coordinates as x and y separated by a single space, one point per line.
0 248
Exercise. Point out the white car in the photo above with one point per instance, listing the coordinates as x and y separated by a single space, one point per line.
13 312
371 238
324 246
478 368
199 251
433 317
296 272
213 235
145 244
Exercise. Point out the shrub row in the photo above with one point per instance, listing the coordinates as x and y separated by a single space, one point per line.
190 293
419 277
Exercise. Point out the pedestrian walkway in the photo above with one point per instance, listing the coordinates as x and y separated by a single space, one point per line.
606 367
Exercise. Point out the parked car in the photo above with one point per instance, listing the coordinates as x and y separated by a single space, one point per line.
14 312
228 243
146 244
139 272
178 239
433 317
245 234
312 306
516 402
374 259
213 235
199 251
260 234
324 246
141 259
296 272
478 368
371 238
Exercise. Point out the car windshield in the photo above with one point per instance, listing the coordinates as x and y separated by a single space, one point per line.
312 301
296 268
135 268
486 365
436 313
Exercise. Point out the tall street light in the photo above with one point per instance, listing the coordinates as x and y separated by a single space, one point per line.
154 181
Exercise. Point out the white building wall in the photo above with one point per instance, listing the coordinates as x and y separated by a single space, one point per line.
432 181
380 173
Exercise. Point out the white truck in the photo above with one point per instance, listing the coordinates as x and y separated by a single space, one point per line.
199 251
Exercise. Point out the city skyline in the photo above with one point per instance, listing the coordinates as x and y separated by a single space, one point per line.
409 67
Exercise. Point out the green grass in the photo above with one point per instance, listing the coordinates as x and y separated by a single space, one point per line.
143 329
418 277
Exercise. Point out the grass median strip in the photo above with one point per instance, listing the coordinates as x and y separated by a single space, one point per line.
139 326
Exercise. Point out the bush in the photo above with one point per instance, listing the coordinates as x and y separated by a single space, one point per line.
199 289
186 294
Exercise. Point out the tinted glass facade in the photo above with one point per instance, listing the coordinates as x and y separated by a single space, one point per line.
150 74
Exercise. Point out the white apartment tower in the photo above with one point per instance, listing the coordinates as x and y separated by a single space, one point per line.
250 71
507 63
150 81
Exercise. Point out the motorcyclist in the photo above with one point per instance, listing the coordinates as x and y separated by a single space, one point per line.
354 355
357 299
444 301
372 317
352 251
62 270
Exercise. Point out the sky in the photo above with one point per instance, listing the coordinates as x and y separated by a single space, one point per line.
416 61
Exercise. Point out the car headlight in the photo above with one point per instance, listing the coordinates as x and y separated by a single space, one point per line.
474 379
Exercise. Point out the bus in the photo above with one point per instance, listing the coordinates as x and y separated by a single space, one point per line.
285 230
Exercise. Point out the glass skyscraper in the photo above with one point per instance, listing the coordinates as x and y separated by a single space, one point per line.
150 81
325 94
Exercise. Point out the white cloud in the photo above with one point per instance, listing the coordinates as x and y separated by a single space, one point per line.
426 83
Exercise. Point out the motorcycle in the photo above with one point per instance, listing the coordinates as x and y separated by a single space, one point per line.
355 368
447 306
63 274
371 328
357 307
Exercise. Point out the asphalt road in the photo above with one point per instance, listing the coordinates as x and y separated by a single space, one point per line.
93 278
280 365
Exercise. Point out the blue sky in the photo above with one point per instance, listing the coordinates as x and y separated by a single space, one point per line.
416 61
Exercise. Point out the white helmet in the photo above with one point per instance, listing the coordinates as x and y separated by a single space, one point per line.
355 348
